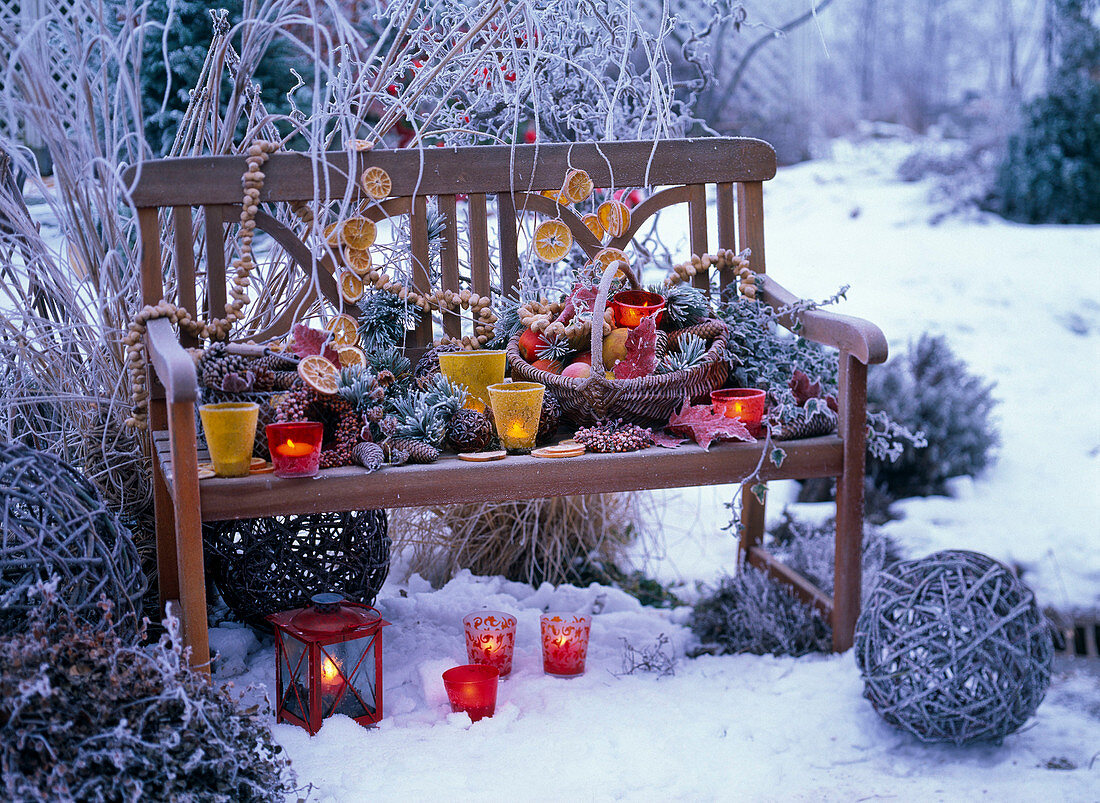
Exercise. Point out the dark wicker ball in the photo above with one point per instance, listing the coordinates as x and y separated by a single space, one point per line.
53 524
953 648
265 565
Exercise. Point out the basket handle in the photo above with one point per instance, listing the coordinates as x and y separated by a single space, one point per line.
598 311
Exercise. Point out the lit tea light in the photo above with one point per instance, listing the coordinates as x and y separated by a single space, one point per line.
490 639
744 404
517 407
472 688
295 447
332 679
564 643
631 306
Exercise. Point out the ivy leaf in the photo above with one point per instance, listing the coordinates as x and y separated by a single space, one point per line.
760 490
641 351
306 341
777 457
703 425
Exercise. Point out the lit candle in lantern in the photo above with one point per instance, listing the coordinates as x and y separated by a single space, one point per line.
332 679
472 688
295 447
490 639
517 407
630 306
564 643
744 404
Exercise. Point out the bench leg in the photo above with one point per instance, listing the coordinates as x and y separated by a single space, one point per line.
752 525
168 584
188 534
849 501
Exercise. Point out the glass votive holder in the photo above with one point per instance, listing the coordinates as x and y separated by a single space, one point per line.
491 639
517 407
564 643
295 447
472 688
230 430
744 404
630 306
476 370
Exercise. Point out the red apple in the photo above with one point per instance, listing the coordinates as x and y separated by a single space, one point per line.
553 366
530 343
578 369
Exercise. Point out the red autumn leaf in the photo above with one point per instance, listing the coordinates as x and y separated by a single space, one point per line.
641 351
583 295
306 341
667 441
704 425
802 389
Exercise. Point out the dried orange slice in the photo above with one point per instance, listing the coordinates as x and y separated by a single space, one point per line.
319 374
552 240
351 357
605 257
614 217
345 330
359 233
351 287
556 196
578 186
592 223
376 183
359 260
334 235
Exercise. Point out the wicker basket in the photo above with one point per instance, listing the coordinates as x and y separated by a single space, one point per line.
646 401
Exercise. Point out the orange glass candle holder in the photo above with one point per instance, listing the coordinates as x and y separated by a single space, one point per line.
630 306
295 447
517 407
564 643
472 688
476 370
744 404
230 431
491 639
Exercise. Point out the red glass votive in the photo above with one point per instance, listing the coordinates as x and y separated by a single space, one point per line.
744 404
472 688
491 639
630 306
564 643
295 447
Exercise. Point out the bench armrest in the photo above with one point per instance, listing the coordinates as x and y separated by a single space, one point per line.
860 338
173 365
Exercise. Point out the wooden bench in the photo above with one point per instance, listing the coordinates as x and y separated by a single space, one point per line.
467 183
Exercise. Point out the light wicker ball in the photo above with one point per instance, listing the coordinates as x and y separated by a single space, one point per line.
953 648
55 526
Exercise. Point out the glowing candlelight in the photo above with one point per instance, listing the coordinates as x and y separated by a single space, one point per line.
517 407
490 639
295 447
472 688
630 306
744 404
564 643
292 449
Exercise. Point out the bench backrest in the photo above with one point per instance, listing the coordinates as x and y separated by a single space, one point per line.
466 183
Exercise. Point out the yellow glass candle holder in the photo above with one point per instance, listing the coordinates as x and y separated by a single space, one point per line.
476 370
516 410
230 430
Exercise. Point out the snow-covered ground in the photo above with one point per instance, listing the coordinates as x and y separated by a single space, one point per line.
1022 306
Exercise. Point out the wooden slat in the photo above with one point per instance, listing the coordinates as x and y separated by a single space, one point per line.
452 324
549 208
802 588
697 225
185 267
750 220
441 171
452 481
152 283
215 263
418 234
478 230
752 522
727 227
509 241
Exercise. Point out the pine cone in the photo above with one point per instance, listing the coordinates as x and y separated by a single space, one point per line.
469 431
428 365
549 418
369 455
277 362
216 363
263 379
418 451
284 380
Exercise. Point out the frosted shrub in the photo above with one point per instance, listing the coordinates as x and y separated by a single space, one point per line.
932 391
85 716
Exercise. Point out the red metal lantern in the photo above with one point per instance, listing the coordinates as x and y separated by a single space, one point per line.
329 661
